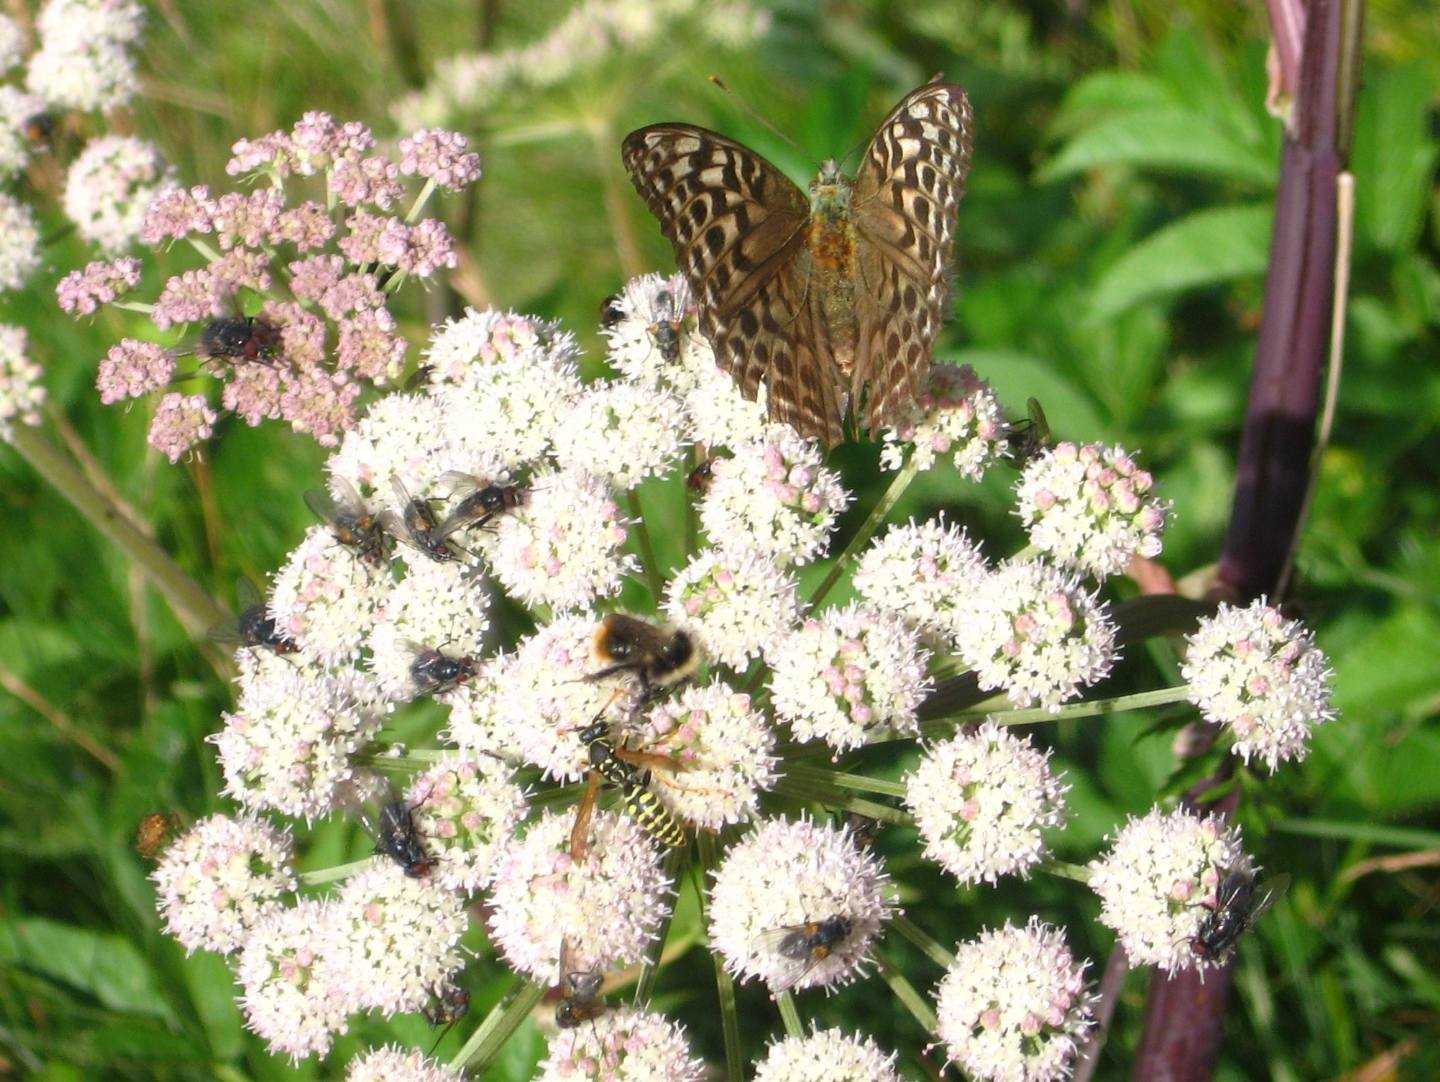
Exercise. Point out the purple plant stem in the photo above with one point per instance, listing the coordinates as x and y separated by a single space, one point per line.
1184 1015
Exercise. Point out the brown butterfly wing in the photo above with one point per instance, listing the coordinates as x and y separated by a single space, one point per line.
904 201
738 226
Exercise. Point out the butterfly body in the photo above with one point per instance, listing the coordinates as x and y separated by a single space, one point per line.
831 300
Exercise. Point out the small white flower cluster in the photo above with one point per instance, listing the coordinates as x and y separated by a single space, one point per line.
624 1045
827 1055
394 1064
1263 676
1158 882
955 414
590 33
21 394
981 801
849 675
109 186
735 602
84 61
923 573
1013 1006
798 904
1089 507
467 811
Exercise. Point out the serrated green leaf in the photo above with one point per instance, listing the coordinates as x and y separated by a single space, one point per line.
1393 158
1168 139
1205 248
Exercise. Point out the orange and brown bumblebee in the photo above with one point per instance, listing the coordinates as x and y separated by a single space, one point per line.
658 658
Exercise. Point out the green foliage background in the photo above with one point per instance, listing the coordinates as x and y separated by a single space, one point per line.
1113 246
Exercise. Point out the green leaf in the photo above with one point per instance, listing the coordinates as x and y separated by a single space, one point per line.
1393 158
1170 139
1209 246
1107 93
107 967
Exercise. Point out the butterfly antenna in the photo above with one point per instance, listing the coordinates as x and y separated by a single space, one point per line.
753 115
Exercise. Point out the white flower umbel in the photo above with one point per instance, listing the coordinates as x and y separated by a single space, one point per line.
633 323
476 724
786 874
955 414
399 437
849 675
437 606
1031 629
480 339
220 878
19 242
288 745
1157 883
609 904
466 810
327 598
720 416
774 497
1014 1005
981 800
722 750
622 432
921 572
109 186
1263 676
544 700
21 394
395 1064
562 547
736 603
399 937
827 1055
623 1045
291 994
1090 507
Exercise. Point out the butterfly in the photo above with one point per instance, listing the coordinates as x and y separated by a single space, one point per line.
823 296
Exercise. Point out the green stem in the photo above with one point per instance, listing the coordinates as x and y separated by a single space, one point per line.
789 1015
724 986
692 461
650 967
1088 708
867 528
499 1026
906 993
133 306
1063 869
420 201
858 782
204 248
330 875
647 551
922 939
195 608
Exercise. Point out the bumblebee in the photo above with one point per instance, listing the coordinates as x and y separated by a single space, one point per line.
39 130
643 805
803 946
658 658
580 999
1239 903
353 524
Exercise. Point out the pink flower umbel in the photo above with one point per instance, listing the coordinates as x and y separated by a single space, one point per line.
981 801
737 604
1014 1006
399 937
609 903
221 878
181 421
1089 507
774 498
133 368
82 292
848 676
956 415
623 1045
1031 629
722 750
292 995
394 1064
827 1055
466 811
1157 883
797 904
1261 675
